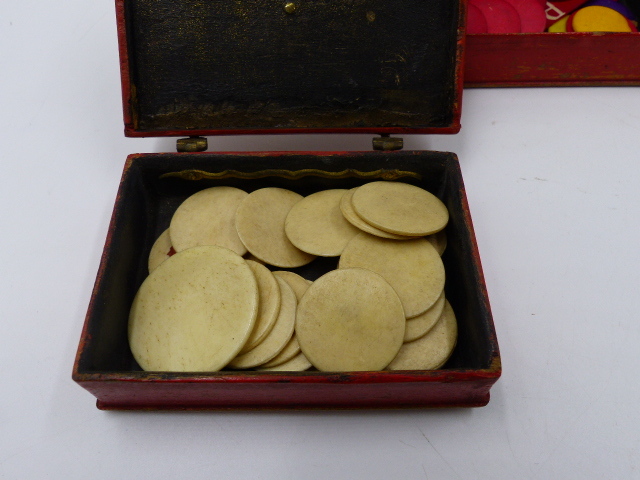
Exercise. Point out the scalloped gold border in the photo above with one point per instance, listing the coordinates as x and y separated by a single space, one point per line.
292 174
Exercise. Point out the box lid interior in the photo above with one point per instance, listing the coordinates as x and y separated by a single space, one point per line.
207 67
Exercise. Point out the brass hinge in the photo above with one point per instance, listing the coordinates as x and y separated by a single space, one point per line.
387 143
192 144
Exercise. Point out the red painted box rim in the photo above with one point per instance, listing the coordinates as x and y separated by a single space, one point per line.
552 60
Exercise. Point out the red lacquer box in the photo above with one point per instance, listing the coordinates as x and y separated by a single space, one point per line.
552 59
194 68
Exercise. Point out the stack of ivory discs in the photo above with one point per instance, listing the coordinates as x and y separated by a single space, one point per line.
205 307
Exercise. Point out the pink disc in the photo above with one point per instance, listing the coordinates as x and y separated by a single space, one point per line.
476 23
500 15
532 15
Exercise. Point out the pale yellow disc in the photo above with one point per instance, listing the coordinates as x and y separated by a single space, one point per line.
268 306
400 208
290 350
160 250
295 281
412 267
418 326
260 224
299 285
299 363
432 350
439 241
350 320
346 207
208 218
248 256
316 225
194 312
279 336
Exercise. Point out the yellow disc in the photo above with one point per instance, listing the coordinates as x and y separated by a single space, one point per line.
279 335
208 218
316 225
260 224
160 250
350 214
299 363
194 312
432 350
560 26
268 306
412 267
350 320
400 208
599 19
418 326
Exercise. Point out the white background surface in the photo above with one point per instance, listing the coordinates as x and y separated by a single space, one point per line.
552 178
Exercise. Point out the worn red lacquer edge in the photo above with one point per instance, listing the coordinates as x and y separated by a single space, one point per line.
84 336
247 377
496 363
460 58
552 59
125 75
130 131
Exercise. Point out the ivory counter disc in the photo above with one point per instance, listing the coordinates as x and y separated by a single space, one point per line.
350 320
299 285
260 224
418 326
194 312
316 225
439 241
208 218
350 214
160 250
412 267
279 335
290 350
400 208
433 350
299 363
268 306
295 281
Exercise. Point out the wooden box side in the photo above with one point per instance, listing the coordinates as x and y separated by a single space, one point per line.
552 59
282 391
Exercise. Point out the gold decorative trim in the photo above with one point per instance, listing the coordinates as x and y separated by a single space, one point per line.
292 174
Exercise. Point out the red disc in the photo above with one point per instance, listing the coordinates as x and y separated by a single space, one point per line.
476 23
532 14
500 15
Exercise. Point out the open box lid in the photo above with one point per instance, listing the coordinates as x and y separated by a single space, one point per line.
212 67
